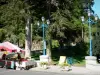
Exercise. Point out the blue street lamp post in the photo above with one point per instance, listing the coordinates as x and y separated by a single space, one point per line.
43 29
90 22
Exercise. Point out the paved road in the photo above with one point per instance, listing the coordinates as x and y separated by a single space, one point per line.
74 71
14 72
24 72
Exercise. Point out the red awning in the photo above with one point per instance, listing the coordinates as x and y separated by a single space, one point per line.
9 47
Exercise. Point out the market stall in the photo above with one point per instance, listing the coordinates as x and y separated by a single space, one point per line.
13 57
17 61
7 51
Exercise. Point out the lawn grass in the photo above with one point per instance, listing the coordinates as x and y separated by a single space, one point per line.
80 63
77 61
56 61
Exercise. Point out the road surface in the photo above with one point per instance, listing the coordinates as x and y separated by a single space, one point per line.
4 71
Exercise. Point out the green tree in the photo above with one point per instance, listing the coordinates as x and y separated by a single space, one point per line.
63 14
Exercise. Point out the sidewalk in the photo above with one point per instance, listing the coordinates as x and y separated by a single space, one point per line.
75 70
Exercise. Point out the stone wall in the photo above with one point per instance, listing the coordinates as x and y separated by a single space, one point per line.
37 45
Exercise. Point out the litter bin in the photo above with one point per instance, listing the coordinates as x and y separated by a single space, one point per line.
69 60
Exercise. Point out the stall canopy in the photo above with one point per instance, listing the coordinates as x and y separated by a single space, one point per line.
9 47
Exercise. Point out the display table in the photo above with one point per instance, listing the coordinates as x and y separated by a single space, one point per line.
25 64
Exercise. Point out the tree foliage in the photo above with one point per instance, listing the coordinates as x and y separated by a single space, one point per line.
13 19
64 15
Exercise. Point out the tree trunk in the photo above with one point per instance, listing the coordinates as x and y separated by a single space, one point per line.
28 41
49 51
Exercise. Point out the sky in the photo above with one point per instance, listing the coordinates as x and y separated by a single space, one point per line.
96 7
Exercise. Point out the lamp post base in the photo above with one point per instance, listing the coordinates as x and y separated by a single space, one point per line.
90 61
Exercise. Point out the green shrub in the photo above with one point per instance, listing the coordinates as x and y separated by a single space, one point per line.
43 63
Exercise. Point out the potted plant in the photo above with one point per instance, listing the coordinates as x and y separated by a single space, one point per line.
44 64
65 66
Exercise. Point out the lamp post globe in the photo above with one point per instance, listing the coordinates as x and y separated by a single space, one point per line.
42 18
